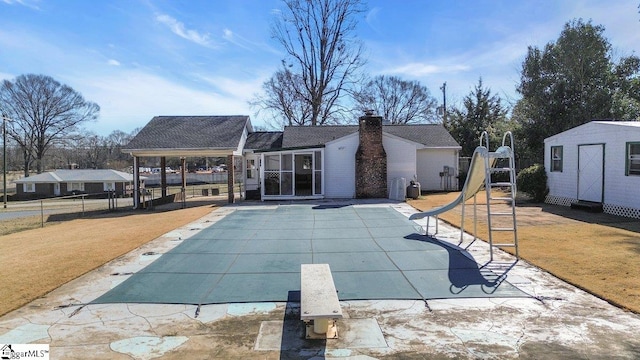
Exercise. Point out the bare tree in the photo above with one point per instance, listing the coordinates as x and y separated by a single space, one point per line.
283 99
323 57
96 152
42 110
398 101
115 142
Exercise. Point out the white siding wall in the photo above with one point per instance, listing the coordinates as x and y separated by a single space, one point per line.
563 184
401 159
340 165
431 162
619 189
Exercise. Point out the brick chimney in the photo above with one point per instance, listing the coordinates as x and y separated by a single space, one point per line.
371 159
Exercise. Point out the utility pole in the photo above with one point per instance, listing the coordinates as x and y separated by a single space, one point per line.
4 157
444 103
4 160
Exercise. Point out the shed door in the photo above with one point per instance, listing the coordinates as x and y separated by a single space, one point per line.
590 172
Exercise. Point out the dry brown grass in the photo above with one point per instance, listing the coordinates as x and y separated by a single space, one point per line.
599 253
37 261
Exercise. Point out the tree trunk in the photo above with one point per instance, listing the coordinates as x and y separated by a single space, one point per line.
27 161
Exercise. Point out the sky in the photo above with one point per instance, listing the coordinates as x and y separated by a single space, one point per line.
142 58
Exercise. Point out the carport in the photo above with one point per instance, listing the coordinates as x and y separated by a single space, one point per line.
188 136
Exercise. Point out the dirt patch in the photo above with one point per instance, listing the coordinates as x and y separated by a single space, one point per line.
596 252
35 262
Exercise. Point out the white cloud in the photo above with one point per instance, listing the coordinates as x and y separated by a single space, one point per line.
239 89
113 62
418 69
372 17
179 29
247 44
6 76
236 40
129 99
30 4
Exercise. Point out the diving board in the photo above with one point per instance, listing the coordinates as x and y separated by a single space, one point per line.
319 304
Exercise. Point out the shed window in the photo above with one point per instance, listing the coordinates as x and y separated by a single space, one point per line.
633 158
556 158
109 186
29 188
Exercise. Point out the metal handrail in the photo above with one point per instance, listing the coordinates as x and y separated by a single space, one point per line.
485 135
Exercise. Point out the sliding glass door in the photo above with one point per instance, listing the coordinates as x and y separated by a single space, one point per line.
289 174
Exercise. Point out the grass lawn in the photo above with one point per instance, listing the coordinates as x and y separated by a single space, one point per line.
599 253
37 261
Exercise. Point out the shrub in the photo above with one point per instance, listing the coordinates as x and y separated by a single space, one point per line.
533 181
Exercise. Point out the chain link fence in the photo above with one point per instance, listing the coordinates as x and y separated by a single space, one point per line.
22 215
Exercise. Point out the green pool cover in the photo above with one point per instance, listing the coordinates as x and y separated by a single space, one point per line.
254 255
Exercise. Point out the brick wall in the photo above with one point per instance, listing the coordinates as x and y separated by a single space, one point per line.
371 159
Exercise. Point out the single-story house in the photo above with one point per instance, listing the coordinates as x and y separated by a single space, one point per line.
304 162
65 182
596 162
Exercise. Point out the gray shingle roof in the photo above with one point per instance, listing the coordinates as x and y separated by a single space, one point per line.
430 135
225 132
264 140
310 136
190 132
79 175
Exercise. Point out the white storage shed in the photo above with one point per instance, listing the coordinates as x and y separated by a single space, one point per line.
596 162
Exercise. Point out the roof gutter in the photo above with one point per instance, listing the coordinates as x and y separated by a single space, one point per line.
184 152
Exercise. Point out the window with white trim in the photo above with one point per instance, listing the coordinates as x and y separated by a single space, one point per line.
109 186
251 168
633 158
29 188
556 158
75 186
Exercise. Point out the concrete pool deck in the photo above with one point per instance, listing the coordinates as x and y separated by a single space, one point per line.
559 321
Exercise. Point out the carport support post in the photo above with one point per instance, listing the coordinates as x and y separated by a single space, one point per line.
136 183
163 176
183 172
230 179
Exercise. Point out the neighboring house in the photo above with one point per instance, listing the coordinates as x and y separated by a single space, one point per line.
597 162
65 182
304 162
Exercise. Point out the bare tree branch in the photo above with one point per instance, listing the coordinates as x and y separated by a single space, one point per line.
323 57
397 100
